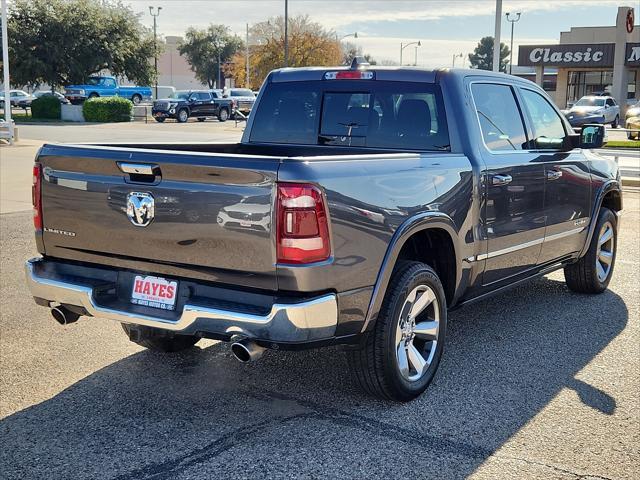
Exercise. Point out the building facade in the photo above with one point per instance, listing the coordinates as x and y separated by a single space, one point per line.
591 60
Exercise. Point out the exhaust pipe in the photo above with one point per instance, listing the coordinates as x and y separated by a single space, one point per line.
247 350
63 315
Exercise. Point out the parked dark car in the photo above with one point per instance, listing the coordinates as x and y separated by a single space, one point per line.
361 205
26 103
201 104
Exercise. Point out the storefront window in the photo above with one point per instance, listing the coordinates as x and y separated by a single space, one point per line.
595 82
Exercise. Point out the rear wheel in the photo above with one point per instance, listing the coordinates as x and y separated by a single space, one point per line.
592 273
223 115
183 115
615 122
401 355
136 99
159 340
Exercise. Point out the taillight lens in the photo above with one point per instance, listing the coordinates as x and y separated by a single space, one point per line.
36 196
302 224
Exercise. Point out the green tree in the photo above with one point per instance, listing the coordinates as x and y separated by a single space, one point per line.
61 42
482 56
202 48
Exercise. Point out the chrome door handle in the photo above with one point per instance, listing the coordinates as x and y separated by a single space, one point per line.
500 180
554 174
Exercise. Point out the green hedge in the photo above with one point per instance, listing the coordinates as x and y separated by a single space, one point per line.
108 109
47 107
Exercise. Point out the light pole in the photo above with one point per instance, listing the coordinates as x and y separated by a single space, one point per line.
155 43
405 45
517 17
456 55
496 37
246 83
286 33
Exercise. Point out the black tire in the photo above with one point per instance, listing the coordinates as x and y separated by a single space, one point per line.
615 122
160 119
136 99
93 95
223 115
201 119
583 276
159 340
375 362
182 115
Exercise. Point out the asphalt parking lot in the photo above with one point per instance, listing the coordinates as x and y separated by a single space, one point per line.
536 383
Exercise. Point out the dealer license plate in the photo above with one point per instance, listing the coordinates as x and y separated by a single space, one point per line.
156 292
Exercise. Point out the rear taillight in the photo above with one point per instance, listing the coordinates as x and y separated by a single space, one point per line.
302 224
36 196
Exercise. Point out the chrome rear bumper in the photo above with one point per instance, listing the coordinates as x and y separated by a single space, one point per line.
299 322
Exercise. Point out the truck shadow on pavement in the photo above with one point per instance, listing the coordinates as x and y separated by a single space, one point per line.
296 414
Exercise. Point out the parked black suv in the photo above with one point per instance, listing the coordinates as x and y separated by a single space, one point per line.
193 103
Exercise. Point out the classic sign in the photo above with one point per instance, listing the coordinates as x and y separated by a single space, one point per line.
575 55
632 55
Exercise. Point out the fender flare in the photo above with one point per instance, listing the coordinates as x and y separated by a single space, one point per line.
415 224
608 186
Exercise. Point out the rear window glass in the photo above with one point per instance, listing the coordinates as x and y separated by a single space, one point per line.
353 113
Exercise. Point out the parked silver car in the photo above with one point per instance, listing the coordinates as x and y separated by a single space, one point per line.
594 109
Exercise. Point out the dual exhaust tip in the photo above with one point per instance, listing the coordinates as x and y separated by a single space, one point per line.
244 350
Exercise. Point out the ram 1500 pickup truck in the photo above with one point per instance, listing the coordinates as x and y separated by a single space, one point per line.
361 205
105 87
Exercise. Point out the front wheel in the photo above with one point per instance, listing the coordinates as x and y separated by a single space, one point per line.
399 358
183 115
615 122
158 340
592 273
223 115
93 95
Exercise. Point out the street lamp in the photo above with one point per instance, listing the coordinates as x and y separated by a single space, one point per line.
405 45
453 62
155 43
512 21
354 35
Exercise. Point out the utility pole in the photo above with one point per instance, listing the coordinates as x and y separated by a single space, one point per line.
247 83
415 57
286 33
155 43
496 37
5 64
511 48
453 62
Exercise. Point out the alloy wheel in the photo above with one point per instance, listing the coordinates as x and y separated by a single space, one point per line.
605 251
417 333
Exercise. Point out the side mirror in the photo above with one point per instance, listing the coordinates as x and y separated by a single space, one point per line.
592 136
191 99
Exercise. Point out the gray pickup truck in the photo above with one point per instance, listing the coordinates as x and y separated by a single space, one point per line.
360 206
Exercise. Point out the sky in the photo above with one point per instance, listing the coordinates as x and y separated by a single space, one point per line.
444 28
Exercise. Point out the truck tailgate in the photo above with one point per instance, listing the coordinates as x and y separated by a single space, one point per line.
212 213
